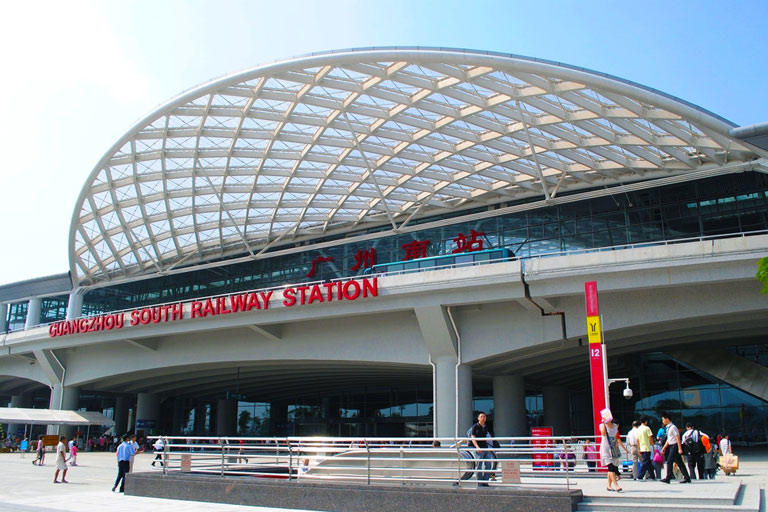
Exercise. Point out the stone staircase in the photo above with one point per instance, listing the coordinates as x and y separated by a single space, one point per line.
695 497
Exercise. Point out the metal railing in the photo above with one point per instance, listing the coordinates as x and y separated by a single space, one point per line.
530 461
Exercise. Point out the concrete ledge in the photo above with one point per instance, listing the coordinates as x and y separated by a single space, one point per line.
348 497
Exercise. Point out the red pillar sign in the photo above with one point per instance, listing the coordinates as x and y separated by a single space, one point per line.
596 353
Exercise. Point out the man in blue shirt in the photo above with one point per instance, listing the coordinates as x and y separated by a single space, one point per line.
124 453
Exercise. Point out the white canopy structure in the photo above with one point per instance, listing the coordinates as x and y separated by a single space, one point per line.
337 143
21 416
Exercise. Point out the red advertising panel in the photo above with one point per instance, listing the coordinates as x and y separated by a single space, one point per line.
543 459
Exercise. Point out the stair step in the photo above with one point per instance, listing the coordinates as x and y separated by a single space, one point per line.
662 499
649 507
747 501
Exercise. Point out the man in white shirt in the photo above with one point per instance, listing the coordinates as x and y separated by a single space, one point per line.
632 445
159 447
695 450
61 461
675 453
136 450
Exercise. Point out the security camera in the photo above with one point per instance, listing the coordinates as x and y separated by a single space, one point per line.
628 393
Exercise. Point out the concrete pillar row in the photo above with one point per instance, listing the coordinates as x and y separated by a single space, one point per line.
33 313
147 413
509 414
557 410
226 418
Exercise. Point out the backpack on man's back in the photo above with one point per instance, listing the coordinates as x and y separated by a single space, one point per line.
694 448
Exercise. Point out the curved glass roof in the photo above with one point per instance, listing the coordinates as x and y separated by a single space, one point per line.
339 142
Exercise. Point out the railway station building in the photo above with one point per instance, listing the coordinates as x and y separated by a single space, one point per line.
381 242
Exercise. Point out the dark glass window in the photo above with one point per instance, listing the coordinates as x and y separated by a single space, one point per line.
713 207
17 316
53 309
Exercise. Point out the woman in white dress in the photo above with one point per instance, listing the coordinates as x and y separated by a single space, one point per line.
61 461
610 441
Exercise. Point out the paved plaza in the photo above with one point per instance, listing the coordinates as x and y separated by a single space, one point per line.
30 488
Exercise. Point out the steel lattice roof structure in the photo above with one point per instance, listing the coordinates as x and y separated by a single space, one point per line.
339 142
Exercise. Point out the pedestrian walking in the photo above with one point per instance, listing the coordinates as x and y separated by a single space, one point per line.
711 461
136 450
610 454
479 435
725 445
124 453
657 459
159 447
39 452
632 449
675 453
61 461
695 448
73 455
644 438
730 461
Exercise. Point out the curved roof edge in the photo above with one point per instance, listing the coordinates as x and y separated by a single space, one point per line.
607 81
294 58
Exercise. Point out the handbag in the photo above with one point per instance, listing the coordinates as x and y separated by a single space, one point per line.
615 453
657 458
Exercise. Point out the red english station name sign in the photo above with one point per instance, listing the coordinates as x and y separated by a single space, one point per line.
351 289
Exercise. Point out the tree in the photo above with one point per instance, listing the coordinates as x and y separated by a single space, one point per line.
762 274
243 421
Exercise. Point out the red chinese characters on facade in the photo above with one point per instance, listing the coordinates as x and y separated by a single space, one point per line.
415 249
364 258
316 262
471 244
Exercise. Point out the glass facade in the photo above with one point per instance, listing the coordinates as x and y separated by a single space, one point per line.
659 383
662 384
53 309
17 316
715 206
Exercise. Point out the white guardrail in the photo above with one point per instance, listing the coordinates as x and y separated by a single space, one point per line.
544 461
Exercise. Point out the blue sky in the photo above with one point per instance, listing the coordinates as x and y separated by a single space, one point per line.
77 75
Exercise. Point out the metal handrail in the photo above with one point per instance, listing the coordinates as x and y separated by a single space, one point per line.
537 460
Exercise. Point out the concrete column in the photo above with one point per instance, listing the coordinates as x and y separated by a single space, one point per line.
121 415
74 306
179 417
3 317
509 416
200 411
147 413
278 416
131 420
21 400
67 399
33 313
446 404
226 418
557 410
